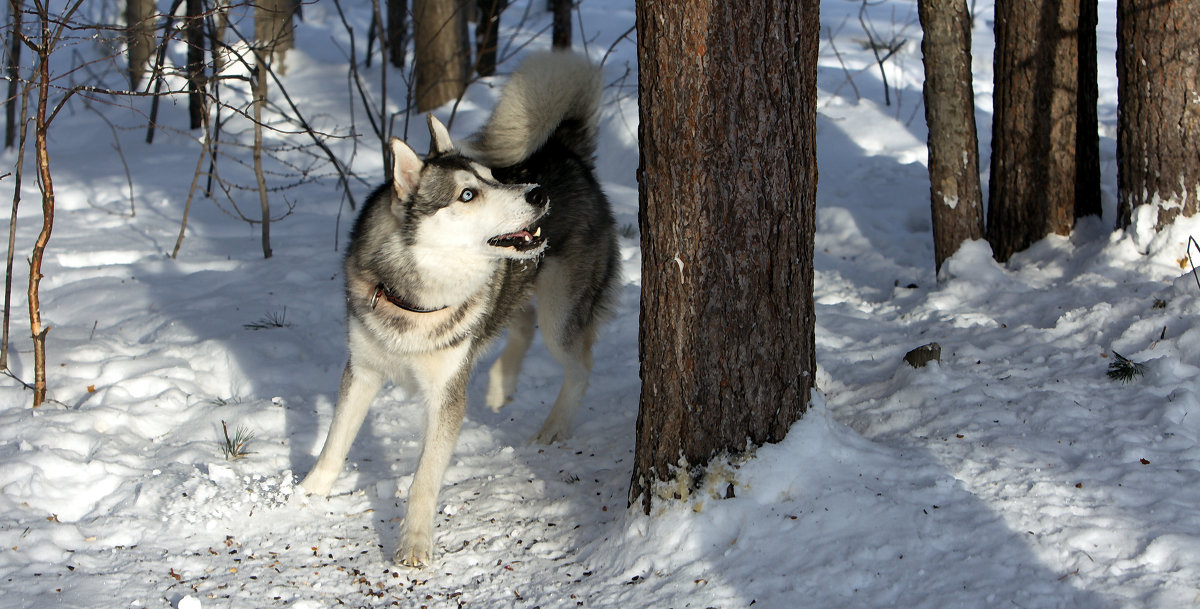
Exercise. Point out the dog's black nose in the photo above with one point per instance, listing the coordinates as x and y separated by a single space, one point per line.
537 197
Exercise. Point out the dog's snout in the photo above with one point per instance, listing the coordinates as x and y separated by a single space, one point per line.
537 197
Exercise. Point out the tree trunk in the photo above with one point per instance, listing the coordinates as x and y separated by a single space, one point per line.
273 30
1035 123
1087 136
487 35
957 201
442 56
139 19
397 31
561 32
727 98
14 65
37 331
18 178
1158 117
260 102
216 28
195 62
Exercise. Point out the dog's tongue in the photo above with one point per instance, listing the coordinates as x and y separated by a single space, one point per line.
523 235
516 239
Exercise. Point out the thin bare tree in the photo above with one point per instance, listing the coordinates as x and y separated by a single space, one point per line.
18 172
50 34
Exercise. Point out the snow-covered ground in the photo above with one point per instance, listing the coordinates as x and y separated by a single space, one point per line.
1012 474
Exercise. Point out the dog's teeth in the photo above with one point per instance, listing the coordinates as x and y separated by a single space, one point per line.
537 232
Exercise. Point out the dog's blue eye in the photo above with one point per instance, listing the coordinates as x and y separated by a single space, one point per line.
466 195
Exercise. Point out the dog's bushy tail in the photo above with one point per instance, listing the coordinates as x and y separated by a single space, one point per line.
553 94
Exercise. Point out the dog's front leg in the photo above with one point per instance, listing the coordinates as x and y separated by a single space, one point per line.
358 388
443 379
502 377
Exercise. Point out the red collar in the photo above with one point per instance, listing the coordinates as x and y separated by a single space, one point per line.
381 291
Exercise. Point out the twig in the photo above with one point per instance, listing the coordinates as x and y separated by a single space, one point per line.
116 145
343 173
845 69
892 47
613 46
1191 242
187 206
158 75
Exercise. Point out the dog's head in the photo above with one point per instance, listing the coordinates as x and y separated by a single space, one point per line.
453 203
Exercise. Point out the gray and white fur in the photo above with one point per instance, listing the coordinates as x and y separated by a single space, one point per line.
454 249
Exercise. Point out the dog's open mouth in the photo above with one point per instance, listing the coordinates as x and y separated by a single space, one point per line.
522 240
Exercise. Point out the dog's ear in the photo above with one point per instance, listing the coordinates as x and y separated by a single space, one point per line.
439 137
406 168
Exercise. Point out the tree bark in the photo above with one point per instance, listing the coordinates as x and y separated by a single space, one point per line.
1158 116
955 194
397 31
1087 135
15 7
727 103
42 154
442 56
1035 168
561 31
487 35
139 19
195 62
260 102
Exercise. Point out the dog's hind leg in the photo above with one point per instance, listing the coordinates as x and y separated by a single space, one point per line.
358 388
576 360
443 380
567 317
502 377
571 344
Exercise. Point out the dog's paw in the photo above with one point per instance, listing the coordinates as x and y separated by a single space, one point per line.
551 434
416 551
316 483
500 389
497 398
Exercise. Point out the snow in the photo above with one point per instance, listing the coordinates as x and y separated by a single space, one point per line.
1012 473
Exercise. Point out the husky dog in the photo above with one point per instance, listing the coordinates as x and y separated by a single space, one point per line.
453 250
